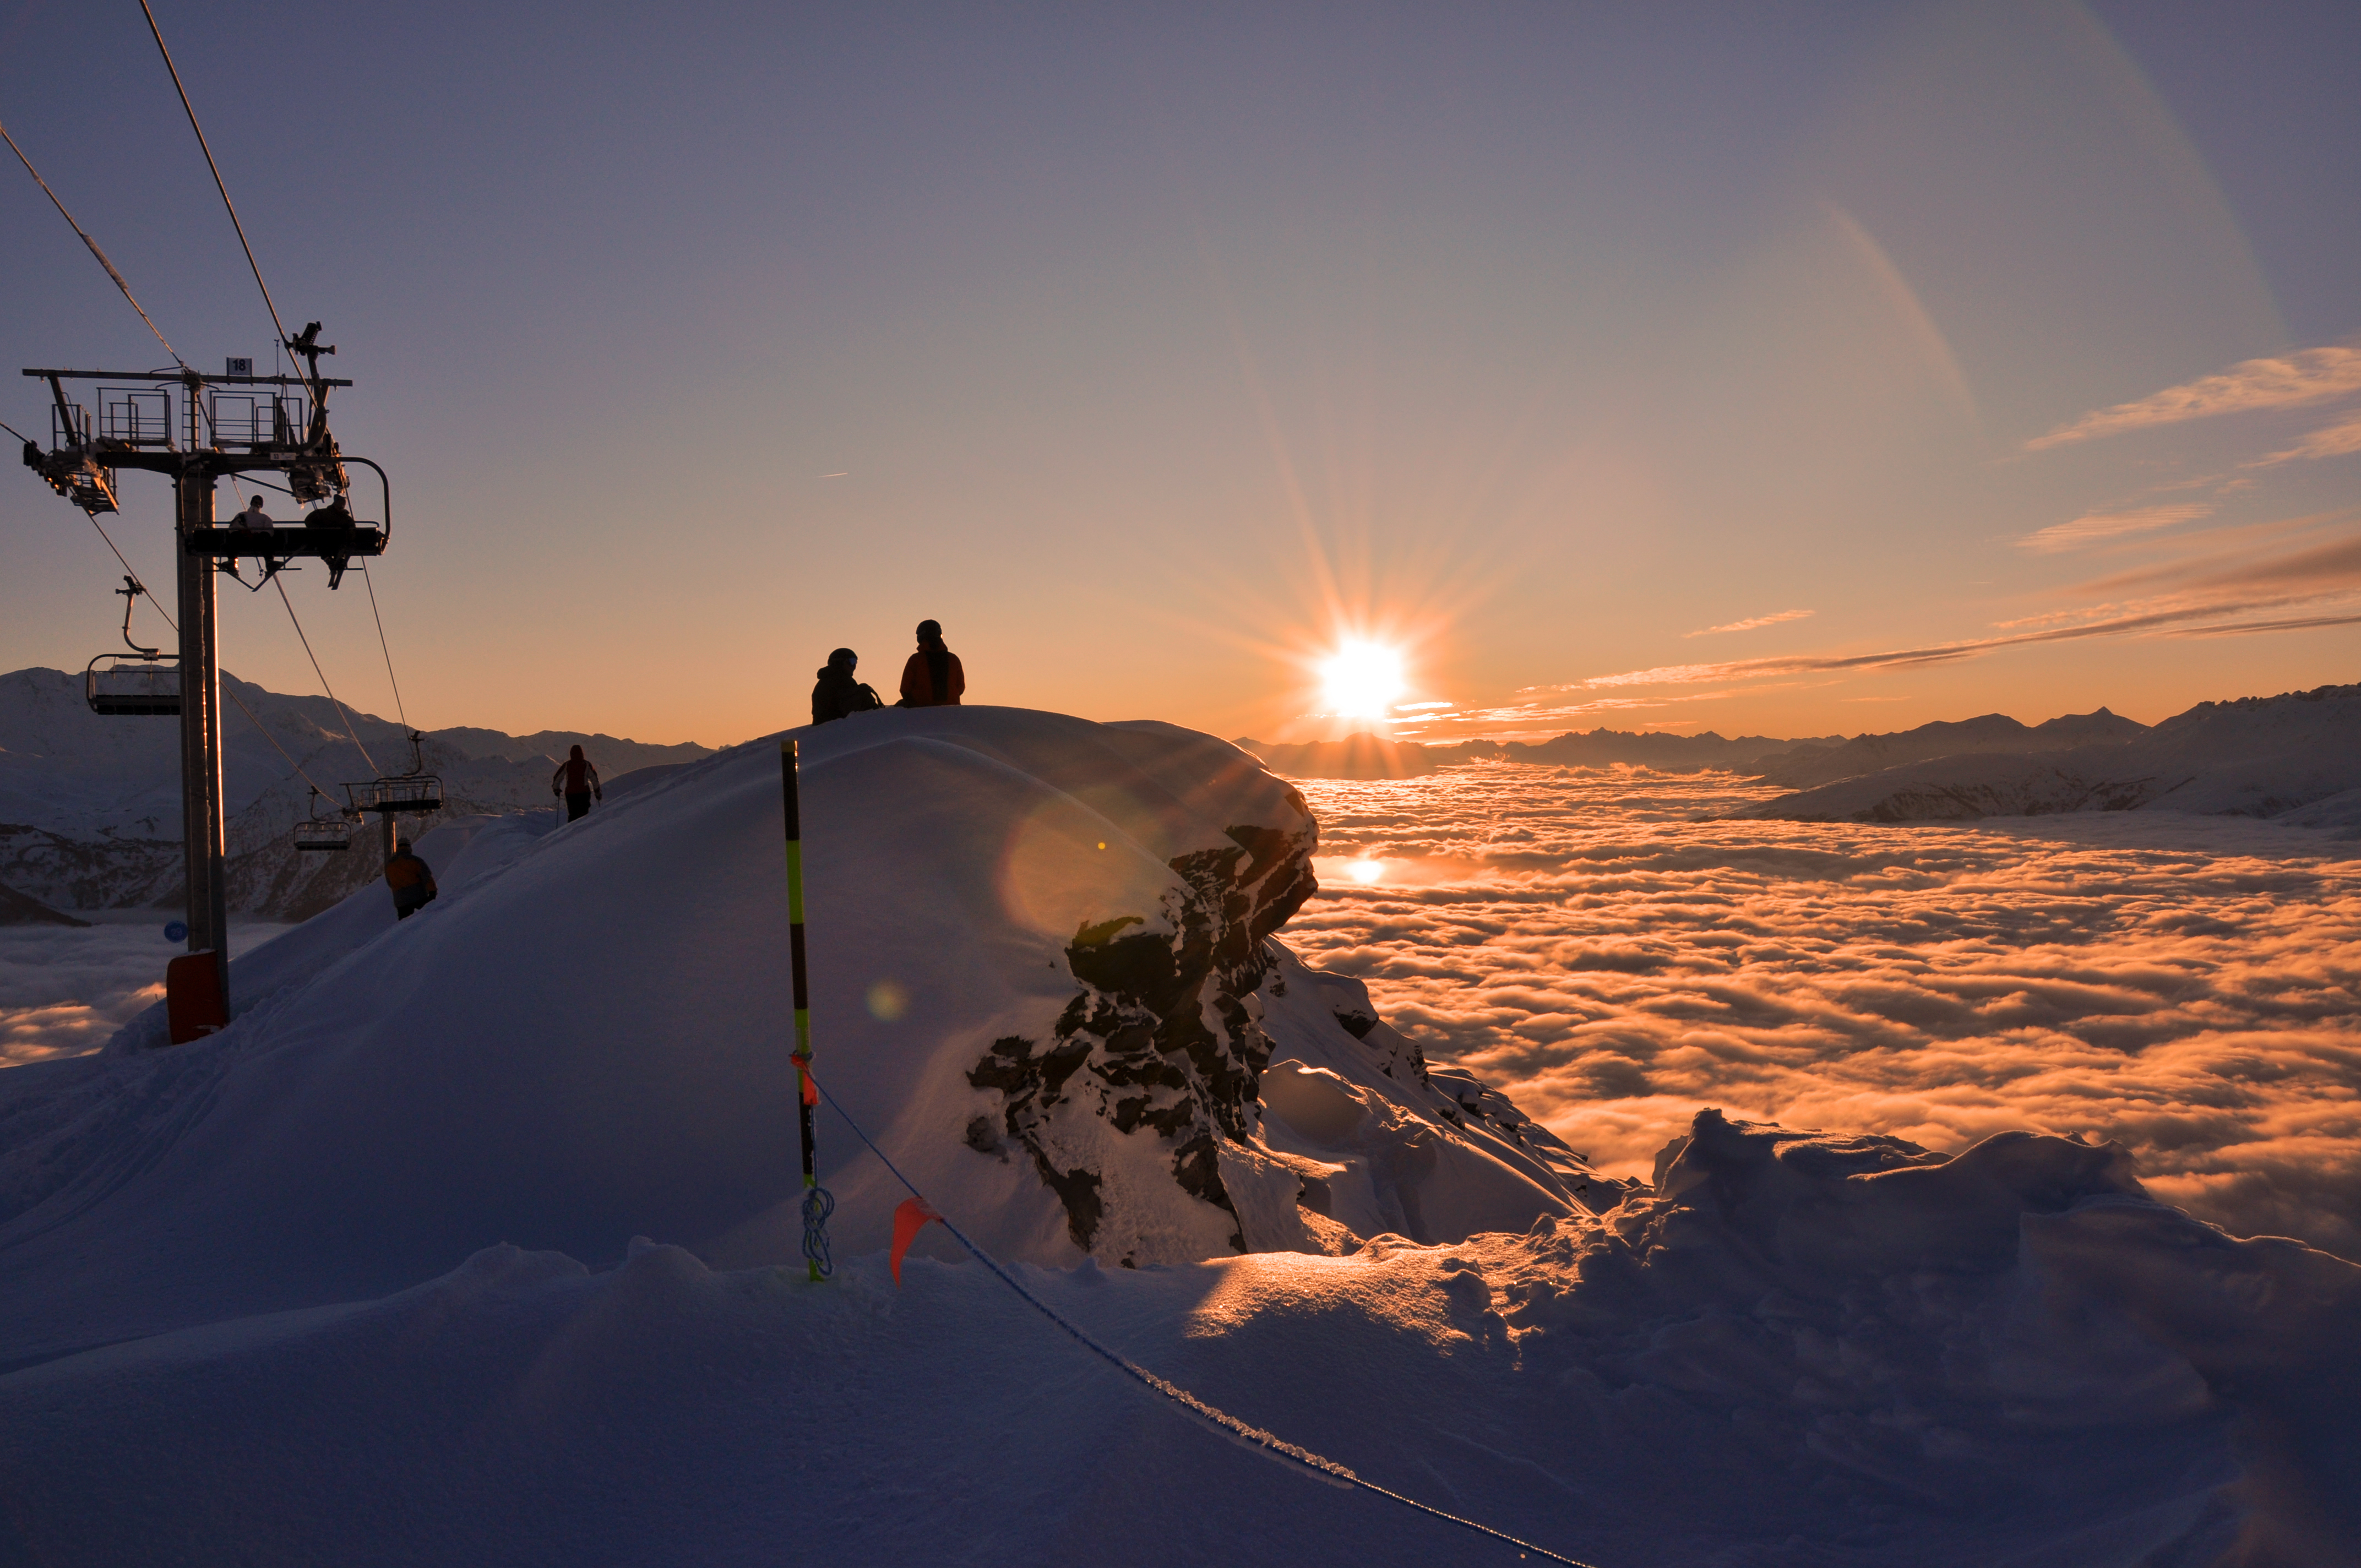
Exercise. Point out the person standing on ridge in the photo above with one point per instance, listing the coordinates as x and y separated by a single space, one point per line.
412 882
838 693
933 677
577 780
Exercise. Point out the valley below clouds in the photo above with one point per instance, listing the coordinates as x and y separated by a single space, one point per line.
1605 949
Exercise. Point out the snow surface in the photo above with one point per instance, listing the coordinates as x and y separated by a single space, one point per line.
321 1288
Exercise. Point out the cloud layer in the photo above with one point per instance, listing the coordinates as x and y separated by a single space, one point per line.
2190 987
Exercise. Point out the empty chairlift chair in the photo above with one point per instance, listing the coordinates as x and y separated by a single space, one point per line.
134 685
323 833
393 794
144 683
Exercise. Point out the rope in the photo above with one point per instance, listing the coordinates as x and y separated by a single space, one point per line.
219 184
1229 1426
390 681
818 1204
103 261
323 678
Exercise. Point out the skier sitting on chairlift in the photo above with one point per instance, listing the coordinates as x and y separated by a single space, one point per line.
838 693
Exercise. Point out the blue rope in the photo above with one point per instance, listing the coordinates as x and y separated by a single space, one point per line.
1227 1425
818 1204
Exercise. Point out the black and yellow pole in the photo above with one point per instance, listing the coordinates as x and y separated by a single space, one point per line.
816 1202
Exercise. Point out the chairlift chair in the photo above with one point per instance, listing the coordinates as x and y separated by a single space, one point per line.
327 833
391 794
144 683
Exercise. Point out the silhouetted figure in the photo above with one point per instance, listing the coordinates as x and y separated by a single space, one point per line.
933 677
253 517
412 882
577 780
838 693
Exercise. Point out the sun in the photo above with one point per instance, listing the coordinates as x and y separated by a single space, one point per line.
1362 679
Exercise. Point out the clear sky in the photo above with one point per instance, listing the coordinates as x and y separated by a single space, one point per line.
1658 365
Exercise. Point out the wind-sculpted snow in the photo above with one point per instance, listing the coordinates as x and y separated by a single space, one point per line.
1802 1353
2190 987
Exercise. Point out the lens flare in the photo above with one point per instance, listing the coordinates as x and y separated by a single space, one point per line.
1362 679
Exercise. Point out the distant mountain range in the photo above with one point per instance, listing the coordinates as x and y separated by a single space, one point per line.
90 808
2296 757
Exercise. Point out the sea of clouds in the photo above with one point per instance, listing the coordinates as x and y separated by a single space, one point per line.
1598 945
64 990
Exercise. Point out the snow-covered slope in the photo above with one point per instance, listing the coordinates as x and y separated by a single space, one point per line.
321 1283
1038 958
2254 757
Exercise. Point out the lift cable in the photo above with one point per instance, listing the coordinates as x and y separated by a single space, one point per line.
322 674
219 184
103 261
391 680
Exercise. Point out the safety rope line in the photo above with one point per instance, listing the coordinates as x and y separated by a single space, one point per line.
323 676
103 261
221 185
1275 1448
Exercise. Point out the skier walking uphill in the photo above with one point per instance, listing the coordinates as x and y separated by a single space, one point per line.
838 693
412 882
933 677
577 780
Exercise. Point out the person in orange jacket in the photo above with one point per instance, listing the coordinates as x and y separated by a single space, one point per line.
578 781
933 677
412 882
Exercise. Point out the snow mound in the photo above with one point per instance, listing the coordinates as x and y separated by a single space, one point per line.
1041 980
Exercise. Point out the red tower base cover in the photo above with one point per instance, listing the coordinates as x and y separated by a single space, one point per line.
193 1003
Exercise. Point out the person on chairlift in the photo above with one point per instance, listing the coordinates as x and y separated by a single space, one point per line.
412 882
577 780
253 517
933 677
838 693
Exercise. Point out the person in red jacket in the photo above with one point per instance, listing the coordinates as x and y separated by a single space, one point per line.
933 677
577 780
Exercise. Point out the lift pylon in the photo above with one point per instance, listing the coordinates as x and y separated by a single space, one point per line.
223 426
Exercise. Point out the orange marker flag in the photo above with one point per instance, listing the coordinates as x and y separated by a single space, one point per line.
909 1218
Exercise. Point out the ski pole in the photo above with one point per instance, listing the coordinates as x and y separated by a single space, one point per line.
818 1203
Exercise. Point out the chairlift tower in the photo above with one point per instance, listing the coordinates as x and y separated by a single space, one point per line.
237 423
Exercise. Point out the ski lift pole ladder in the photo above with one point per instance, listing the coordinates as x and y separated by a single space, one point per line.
818 1204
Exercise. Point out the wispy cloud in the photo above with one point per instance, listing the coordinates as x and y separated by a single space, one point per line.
2330 441
2311 376
2195 596
1785 615
2098 527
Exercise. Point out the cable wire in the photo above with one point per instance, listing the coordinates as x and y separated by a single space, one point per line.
323 675
103 261
369 582
219 184
1255 1438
